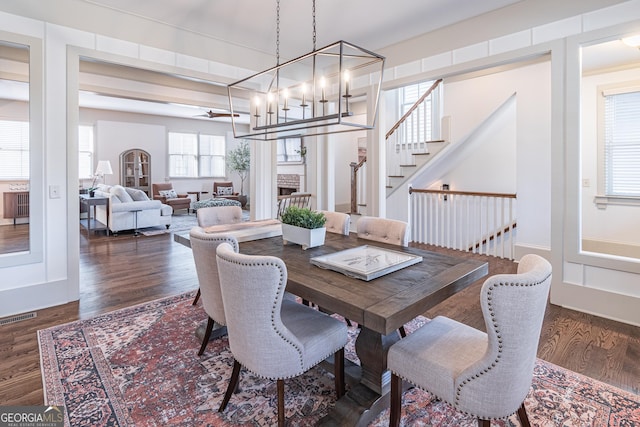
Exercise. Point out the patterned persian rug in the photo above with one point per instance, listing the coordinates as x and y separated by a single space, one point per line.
139 366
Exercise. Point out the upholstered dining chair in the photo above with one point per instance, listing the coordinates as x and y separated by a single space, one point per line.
271 336
337 222
485 375
203 246
383 230
217 215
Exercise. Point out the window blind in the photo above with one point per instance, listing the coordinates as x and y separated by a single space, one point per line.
14 149
622 144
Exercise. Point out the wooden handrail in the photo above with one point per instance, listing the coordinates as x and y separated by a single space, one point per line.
462 193
413 107
355 167
492 237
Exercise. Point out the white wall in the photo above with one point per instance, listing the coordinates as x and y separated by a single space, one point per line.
120 131
500 142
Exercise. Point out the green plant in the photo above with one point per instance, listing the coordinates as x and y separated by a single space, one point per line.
303 217
238 160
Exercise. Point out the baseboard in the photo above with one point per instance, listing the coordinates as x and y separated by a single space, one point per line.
521 250
610 305
34 297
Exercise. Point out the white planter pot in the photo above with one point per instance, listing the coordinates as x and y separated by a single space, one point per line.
307 238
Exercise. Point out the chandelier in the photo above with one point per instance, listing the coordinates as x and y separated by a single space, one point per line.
322 92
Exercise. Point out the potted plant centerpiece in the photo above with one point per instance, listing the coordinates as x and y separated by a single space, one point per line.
238 161
303 226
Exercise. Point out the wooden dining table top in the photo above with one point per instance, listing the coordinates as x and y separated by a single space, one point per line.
382 304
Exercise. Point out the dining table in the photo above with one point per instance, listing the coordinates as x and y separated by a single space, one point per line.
379 306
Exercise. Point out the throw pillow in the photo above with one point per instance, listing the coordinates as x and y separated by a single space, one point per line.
169 194
121 193
225 191
137 195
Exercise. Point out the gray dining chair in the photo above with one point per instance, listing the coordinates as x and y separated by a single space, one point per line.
487 375
383 230
337 222
203 246
217 215
271 336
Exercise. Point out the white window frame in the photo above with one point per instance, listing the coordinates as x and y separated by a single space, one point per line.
604 195
19 147
198 158
433 115
89 152
290 149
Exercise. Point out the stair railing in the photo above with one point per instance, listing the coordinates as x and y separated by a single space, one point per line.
411 110
475 222
411 135
358 186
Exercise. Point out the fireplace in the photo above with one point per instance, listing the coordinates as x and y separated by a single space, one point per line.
288 184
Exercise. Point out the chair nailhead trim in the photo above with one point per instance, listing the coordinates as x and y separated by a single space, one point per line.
281 285
497 332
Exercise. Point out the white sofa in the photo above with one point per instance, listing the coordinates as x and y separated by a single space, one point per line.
127 203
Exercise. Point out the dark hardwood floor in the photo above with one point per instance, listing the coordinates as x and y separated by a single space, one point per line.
117 272
14 238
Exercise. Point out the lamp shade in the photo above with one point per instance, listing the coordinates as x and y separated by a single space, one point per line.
104 168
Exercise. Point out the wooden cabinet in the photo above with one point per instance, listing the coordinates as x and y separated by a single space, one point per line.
135 170
16 205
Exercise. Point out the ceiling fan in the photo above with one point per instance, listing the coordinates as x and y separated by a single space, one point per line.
213 115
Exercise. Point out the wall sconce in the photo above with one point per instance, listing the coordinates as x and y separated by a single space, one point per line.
445 187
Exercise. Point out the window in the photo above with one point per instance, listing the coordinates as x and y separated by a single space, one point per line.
622 144
85 152
290 150
420 124
193 155
14 150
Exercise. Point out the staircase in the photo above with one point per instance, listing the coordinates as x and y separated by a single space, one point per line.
407 150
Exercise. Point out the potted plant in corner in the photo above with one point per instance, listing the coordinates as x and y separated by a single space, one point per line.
303 226
238 160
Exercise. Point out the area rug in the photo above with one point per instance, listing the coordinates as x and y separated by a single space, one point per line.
139 366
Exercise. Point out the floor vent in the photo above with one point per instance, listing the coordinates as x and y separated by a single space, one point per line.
19 317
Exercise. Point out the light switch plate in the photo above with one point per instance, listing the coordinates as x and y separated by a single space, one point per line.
54 191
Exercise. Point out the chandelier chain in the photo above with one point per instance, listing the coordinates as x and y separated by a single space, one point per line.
313 14
278 32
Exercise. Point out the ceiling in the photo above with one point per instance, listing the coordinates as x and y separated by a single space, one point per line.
372 24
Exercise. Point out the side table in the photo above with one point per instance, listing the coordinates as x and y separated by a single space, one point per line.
91 223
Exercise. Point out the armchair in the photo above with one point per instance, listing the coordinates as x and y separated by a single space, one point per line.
224 190
167 195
